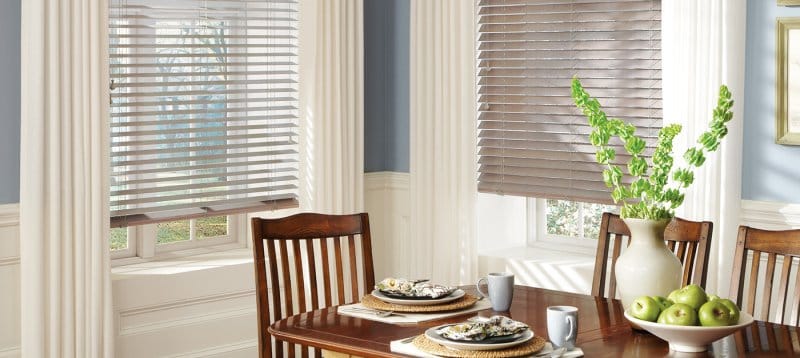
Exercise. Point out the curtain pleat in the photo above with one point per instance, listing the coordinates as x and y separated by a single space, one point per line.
336 110
703 47
443 139
64 213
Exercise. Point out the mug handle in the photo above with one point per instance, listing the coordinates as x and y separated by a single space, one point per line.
571 321
478 287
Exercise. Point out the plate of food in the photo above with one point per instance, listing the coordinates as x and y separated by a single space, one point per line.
418 300
497 332
415 292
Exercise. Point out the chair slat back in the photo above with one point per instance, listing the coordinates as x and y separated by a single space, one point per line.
760 254
288 253
689 240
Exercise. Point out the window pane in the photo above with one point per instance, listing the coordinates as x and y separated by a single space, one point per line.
563 218
119 238
592 215
211 227
173 231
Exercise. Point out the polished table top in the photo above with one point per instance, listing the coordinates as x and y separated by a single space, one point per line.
602 330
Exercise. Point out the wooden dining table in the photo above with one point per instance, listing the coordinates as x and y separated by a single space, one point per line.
603 331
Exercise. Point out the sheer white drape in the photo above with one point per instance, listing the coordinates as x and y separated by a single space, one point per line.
64 216
443 141
332 103
703 47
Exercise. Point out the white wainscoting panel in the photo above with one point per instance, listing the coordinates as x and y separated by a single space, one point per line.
199 306
9 281
386 199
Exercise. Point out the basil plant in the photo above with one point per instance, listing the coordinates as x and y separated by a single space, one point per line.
657 187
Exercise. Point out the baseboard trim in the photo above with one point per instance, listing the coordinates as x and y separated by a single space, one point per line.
9 215
770 215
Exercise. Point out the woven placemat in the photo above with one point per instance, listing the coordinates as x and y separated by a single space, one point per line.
373 302
524 349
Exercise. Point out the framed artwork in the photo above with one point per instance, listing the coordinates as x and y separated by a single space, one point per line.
788 2
788 82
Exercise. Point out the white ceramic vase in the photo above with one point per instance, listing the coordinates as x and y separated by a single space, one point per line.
647 267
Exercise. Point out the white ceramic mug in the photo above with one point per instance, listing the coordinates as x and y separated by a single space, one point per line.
501 290
562 325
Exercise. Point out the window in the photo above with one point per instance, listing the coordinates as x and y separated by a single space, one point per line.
563 220
203 119
532 140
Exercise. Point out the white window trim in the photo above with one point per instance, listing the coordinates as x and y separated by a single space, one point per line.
537 236
142 245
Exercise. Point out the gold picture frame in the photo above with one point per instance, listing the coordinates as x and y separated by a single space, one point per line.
788 2
787 116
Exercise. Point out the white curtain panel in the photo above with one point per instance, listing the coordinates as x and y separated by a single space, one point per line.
703 47
442 158
64 217
332 102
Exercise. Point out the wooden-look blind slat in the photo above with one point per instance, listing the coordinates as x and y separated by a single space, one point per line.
532 141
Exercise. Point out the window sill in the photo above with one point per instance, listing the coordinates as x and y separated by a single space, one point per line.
547 265
187 261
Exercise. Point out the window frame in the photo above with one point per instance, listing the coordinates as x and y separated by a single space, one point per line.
537 236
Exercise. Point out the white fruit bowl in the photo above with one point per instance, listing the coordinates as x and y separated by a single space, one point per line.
690 338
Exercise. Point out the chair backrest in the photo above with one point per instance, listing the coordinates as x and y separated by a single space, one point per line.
777 247
315 261
689 240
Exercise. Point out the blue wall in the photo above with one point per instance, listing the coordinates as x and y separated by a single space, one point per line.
386 76
9 100
770 172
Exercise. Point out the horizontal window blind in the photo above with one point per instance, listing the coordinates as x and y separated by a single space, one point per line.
203 108
532 140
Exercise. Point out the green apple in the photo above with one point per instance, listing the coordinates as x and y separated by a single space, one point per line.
645 308
733 310
671 295
679 314
692 295
662 301
712 298
714 313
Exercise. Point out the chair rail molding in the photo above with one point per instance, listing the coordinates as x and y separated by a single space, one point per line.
770 215
9 215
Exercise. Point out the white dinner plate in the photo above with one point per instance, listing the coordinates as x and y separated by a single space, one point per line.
431 334
458 293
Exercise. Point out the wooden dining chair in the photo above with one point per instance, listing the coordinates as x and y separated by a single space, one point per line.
311 261
689 240
776 248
